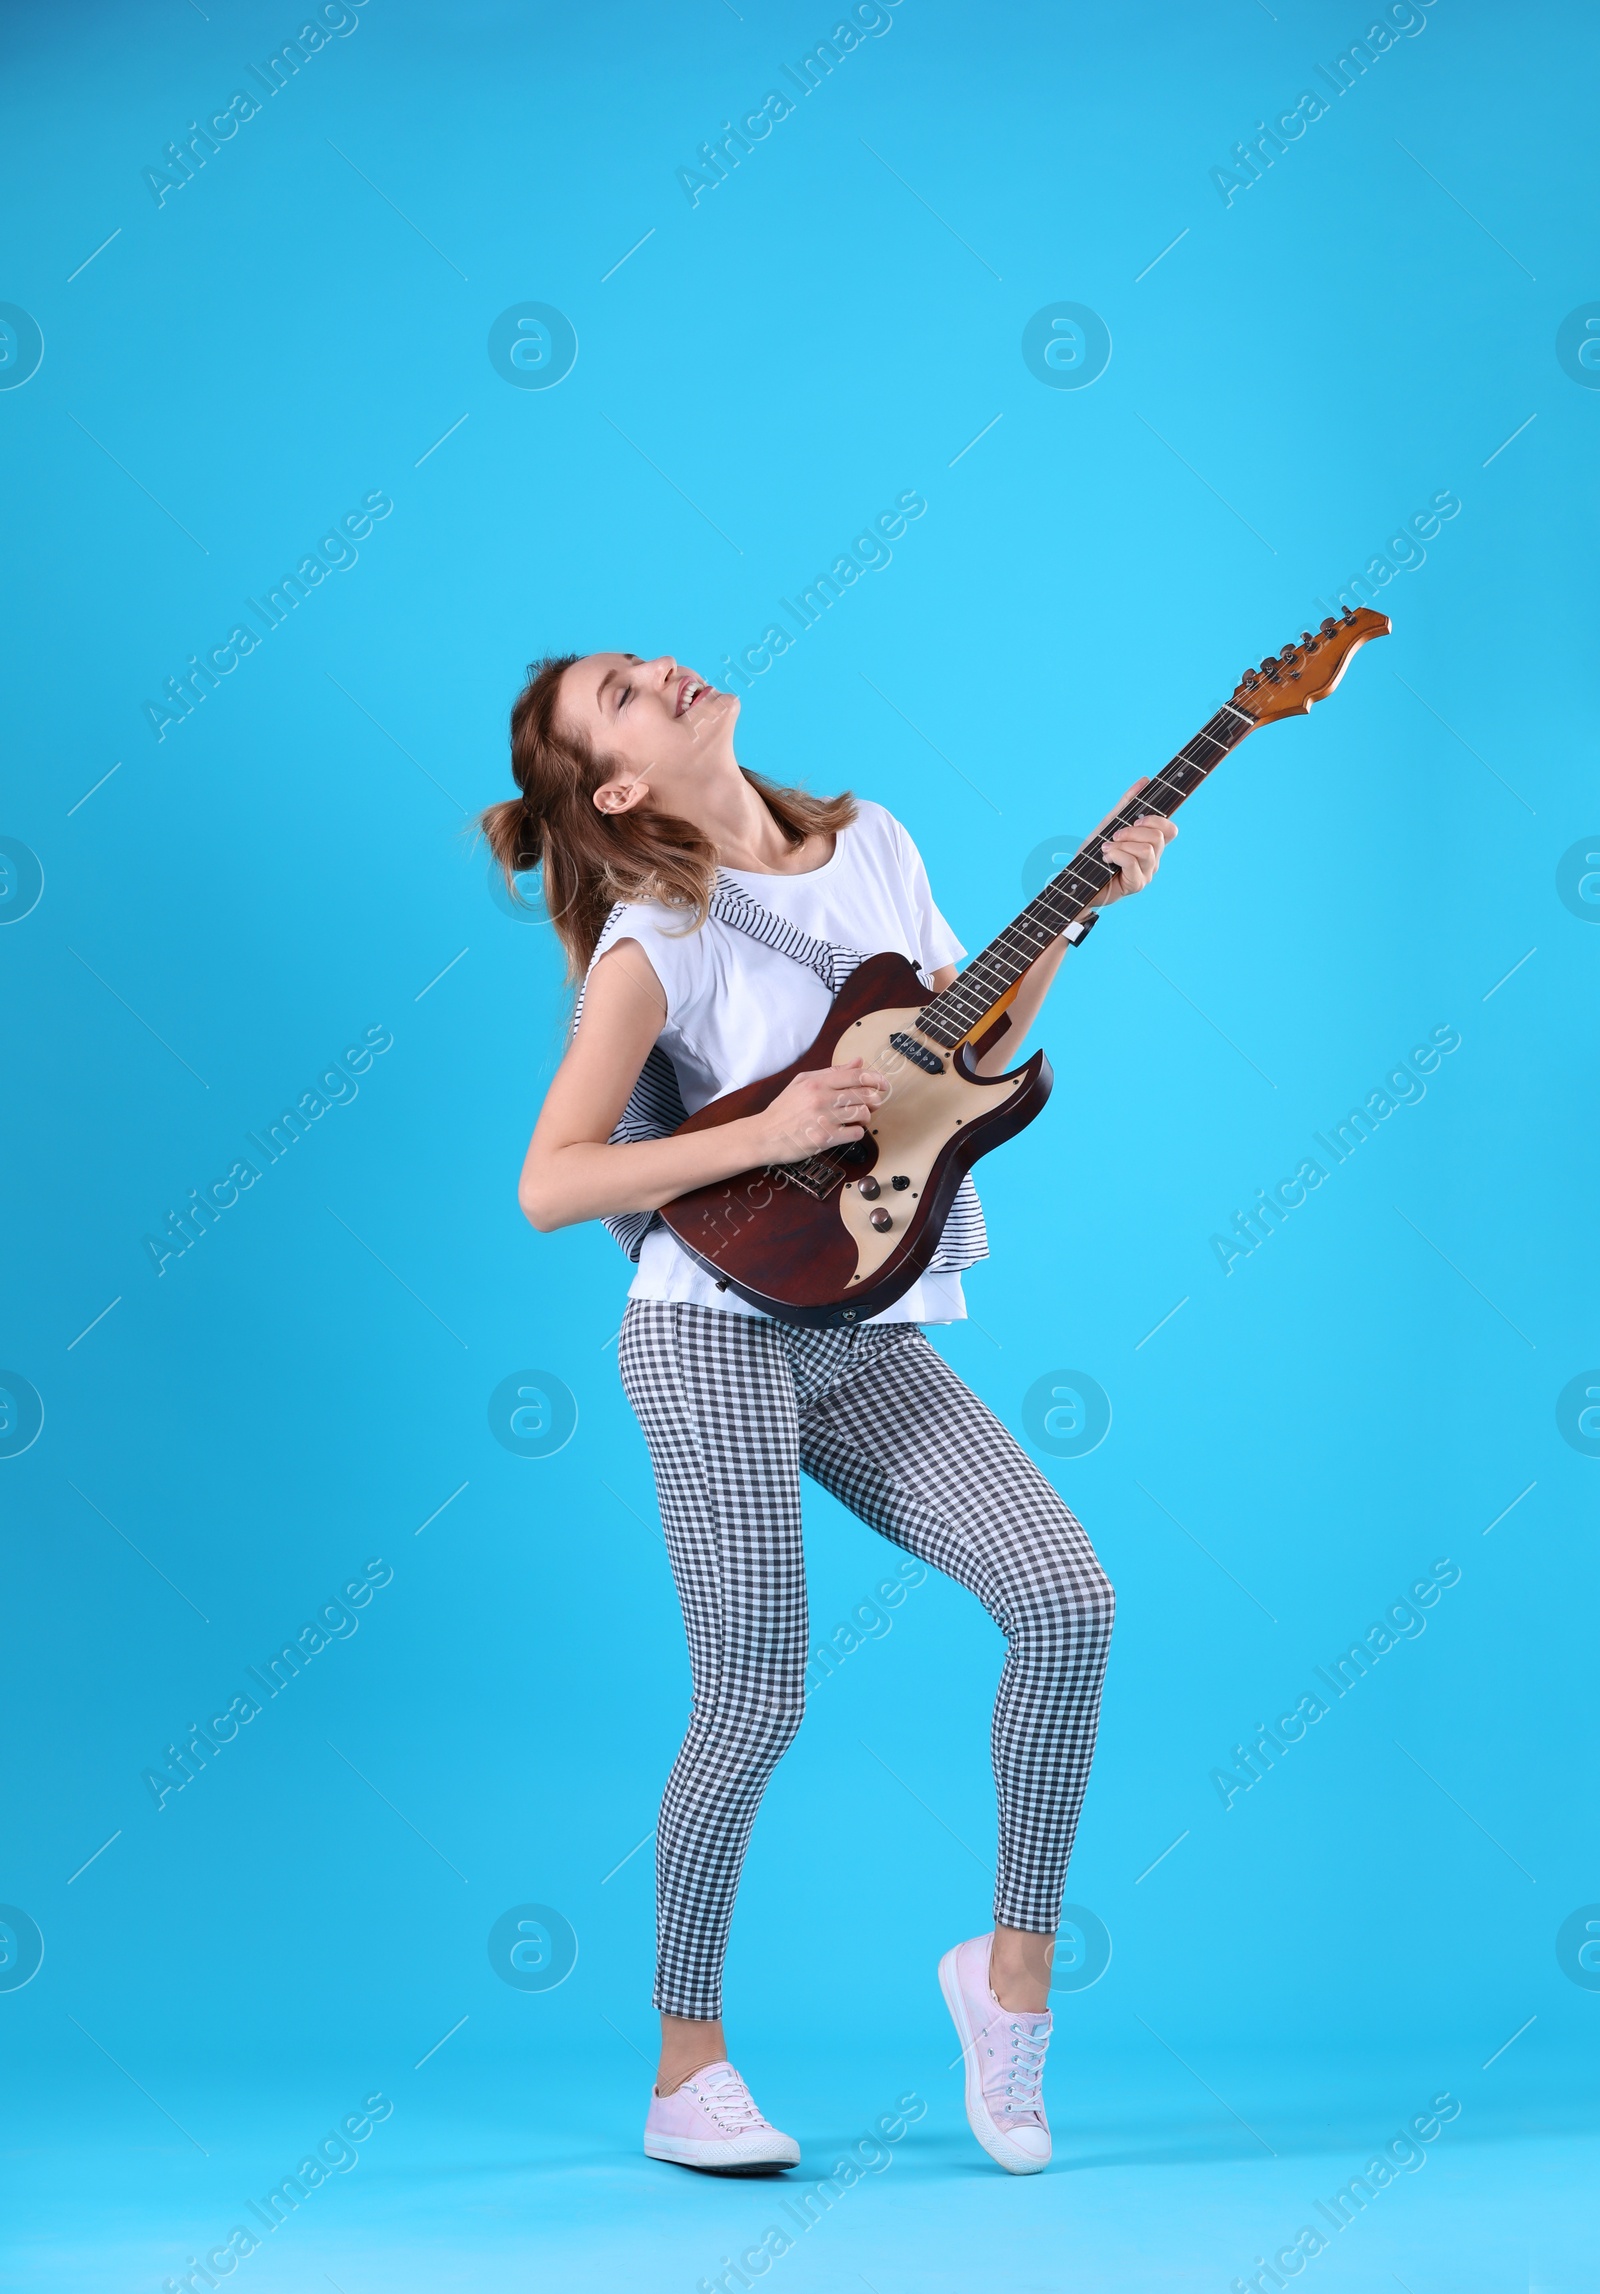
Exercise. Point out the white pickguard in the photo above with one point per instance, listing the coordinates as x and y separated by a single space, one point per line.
913 1123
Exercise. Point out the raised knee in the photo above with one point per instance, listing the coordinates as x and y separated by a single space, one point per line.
1085 1602
1070 1604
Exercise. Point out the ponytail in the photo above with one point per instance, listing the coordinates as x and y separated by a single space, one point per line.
511 830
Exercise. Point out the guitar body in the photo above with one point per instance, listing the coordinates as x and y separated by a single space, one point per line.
799 1240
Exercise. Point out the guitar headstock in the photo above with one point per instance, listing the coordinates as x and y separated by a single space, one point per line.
1307 672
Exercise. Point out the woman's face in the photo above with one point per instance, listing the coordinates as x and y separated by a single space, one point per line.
658 724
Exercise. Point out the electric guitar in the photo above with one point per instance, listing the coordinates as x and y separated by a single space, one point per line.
839 1235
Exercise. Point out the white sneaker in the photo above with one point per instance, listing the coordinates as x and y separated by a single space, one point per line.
1004 2050
712 2122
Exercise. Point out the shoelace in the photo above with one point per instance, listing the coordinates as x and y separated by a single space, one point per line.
1024 2072
727 2100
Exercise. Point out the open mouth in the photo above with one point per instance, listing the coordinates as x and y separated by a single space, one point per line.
690 691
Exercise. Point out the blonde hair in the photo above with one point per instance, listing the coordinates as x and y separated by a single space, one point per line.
589 860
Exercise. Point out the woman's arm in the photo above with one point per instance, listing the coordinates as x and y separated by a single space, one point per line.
571 1172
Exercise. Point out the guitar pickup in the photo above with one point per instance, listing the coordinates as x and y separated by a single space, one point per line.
918 1053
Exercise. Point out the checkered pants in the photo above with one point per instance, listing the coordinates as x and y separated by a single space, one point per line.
734 1408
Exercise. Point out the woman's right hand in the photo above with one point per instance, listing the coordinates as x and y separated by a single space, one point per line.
826 1107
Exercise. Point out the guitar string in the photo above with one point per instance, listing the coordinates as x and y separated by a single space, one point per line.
1069 886
997 966
999 956
829 1164
826 1165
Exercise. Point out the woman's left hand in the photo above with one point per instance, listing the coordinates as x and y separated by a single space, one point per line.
1135 851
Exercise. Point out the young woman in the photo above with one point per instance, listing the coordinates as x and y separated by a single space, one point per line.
709 915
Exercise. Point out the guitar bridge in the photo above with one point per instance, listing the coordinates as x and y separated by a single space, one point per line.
815 1176
818 1175
918 1053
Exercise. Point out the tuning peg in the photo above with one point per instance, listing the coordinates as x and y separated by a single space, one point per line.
1325 626
1307 640
1288 653
1269 667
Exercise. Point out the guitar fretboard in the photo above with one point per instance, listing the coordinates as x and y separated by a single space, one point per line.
953 1015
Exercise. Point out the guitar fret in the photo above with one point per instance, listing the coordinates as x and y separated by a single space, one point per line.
954 1013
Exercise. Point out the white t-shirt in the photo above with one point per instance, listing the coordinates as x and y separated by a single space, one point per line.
737 1011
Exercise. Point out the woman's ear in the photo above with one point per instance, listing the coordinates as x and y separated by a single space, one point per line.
621 796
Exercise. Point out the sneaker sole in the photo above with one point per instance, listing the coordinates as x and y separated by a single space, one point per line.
713 2158
978 2119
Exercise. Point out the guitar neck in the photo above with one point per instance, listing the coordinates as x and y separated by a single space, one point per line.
987 981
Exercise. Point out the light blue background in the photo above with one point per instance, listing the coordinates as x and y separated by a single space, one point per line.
1299 374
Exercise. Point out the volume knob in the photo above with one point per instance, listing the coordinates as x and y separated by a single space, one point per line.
881 1219
868 1187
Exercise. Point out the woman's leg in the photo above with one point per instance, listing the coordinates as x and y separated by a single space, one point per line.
911 1450
715 1398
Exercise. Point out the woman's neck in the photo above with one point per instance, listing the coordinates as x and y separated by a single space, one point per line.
733 818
